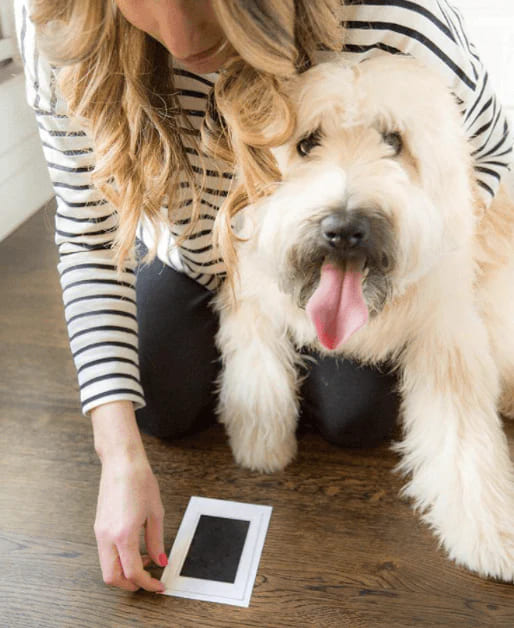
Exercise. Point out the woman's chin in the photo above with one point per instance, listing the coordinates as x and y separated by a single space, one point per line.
204 64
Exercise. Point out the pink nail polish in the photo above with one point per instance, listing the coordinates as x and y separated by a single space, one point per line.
163 560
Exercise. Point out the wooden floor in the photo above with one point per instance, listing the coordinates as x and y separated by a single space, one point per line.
342 548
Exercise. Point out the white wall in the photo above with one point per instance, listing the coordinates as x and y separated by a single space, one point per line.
490 24
24 182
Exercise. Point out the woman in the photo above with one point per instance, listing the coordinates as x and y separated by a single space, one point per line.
134 79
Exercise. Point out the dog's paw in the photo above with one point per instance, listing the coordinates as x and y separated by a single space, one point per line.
261 453
491 557
481 541
476 528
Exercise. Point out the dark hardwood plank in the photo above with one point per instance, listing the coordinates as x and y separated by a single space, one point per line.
342 548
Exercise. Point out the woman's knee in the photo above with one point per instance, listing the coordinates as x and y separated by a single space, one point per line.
351 405
159 420
367 426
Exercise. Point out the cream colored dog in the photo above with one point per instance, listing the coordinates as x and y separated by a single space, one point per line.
375 247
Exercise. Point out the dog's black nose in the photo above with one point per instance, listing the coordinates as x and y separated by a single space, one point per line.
344 230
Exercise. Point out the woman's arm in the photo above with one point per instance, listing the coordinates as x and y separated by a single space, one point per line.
100 310
128 500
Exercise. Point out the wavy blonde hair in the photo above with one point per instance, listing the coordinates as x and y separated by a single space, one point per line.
118 82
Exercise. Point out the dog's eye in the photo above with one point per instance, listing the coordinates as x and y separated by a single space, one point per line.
306 144
394 140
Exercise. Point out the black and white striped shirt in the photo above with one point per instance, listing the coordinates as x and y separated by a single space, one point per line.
100 310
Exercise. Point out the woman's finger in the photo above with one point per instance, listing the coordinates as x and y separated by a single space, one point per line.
133 570
112 571
154 540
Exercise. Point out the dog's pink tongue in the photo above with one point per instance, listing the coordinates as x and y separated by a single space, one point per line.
337 307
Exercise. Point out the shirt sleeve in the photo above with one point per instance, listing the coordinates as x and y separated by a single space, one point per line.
100 308
433 32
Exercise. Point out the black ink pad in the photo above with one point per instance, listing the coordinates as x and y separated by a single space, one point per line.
216 549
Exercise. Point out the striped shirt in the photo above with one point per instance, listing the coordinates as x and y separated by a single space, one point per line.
100 309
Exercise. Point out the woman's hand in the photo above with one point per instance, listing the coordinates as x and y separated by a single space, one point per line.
128 501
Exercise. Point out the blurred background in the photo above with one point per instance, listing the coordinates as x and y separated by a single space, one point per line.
24 183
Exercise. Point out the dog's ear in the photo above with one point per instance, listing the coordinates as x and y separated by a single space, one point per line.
430 122
438 148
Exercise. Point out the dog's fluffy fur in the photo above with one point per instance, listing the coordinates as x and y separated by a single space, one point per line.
439 290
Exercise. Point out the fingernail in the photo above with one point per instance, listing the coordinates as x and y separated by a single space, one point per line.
163 560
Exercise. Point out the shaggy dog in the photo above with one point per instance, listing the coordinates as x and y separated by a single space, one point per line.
375 247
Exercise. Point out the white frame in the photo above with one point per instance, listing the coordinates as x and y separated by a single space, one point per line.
237 593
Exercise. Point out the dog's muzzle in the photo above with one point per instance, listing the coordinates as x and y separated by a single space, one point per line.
362 238
359 238
343 230
346 234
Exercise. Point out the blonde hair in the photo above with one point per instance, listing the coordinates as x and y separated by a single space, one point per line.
117 81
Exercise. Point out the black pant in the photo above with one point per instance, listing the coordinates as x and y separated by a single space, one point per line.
350 405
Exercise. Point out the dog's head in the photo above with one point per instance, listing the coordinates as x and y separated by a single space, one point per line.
375 190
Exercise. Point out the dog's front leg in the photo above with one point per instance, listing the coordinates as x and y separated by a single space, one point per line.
258 387
454 447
